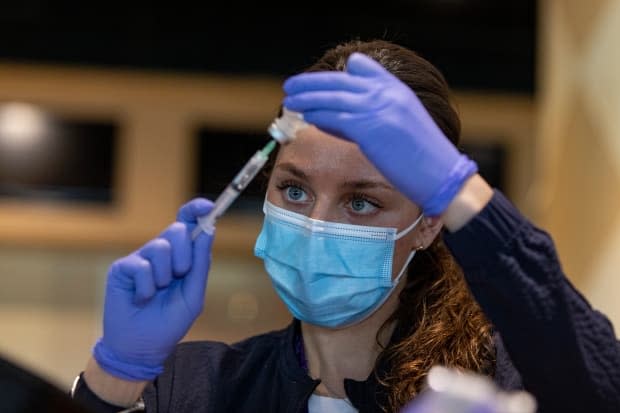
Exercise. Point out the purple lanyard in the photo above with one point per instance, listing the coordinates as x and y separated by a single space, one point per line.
301 358
300 353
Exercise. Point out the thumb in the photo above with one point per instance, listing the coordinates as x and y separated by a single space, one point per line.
360 64
195 282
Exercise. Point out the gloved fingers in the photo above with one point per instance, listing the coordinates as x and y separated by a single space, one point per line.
159 254
359 64
197 207
195 282
330 100
179 237
331 122
332 80
138 271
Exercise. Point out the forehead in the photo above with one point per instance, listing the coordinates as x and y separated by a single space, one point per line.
319 154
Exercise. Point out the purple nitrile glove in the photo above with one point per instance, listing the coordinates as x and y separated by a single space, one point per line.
427 403
368 105
153 296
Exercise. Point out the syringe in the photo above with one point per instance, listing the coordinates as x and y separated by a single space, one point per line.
235 187
283 129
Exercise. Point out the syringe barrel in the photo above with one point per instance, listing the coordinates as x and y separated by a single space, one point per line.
207 223
232 191
237 185
226 198
249 171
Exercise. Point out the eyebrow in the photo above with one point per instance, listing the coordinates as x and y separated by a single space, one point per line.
358 184
292 169
366 184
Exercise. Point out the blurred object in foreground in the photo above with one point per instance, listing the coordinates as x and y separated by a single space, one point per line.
452 391
24 392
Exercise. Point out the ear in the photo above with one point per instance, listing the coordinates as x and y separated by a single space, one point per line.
428 231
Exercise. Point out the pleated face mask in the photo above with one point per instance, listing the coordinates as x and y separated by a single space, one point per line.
327 273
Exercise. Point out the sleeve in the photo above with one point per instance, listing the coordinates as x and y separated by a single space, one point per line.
566 351
86 398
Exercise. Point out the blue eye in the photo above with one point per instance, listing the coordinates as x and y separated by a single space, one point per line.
362 206
358 204
295 193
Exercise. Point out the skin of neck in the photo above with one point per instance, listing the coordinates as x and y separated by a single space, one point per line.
351 352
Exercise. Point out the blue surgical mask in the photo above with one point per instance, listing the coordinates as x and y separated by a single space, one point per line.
327 273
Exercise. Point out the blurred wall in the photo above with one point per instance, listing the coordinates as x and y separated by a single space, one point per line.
578 143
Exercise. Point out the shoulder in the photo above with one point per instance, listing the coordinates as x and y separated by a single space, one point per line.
203 373
191 351
214 358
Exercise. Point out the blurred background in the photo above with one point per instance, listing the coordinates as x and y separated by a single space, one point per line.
111 118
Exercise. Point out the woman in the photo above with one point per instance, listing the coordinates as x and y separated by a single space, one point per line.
355 202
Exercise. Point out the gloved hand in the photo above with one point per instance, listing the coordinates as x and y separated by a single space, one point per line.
153 296
371 107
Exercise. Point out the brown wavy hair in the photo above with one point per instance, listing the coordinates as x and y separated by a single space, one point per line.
437 319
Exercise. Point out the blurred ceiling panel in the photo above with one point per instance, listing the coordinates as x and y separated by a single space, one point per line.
478 44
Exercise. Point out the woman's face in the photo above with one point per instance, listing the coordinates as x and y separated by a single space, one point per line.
327 178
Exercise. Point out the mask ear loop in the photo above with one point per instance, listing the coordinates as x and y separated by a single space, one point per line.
412 253
409 228
402 270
